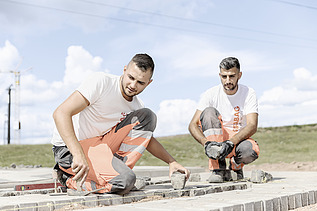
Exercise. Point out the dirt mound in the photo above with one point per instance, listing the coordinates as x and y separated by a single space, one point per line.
293 166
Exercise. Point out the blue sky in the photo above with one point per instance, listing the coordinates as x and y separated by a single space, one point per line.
63 41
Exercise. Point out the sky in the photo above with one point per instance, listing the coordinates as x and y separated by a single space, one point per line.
55 44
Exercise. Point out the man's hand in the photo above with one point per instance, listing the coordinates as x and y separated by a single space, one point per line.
81 168
212 149
218 150
174 166
226 148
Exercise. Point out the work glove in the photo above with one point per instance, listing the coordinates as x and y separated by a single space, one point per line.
226 148
212 149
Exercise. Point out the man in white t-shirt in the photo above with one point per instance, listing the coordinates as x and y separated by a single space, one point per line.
225 120
99 149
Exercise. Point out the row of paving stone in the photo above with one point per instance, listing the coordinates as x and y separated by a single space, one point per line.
283 203
162 191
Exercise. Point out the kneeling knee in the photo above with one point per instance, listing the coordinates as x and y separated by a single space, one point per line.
148 118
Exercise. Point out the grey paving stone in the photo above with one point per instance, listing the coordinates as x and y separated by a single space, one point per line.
178 180
291 202
268 205
91 201
134 196
80 201
283 203
249 206
276 204
238 207
258 206
298 200
304 199
105 199
311 197
194 177
197 192
116 199
227 187
210 190
61 203
9 207
31 206
45 206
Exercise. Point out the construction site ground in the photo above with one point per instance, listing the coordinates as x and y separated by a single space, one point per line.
288 190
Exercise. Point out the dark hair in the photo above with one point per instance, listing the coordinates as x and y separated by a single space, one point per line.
229 63
144 62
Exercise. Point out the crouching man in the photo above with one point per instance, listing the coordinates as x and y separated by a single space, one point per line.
225 120
113 131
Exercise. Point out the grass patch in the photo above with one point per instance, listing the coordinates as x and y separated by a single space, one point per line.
277 144
41 154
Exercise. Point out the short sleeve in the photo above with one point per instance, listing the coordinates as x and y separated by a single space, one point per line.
92 87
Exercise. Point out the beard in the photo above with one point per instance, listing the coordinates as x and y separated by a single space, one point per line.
229 86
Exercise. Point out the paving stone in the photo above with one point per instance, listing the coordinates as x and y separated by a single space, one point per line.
133 196
140 183
291 202
32 206
228 187
276 204
45 206
311 197
258 206
9 207
91 201
80 201
304 199
194 177
210 190
238 207
105 199
259 176
284 203
173 194
268 205
298 200
116 199
197 192
61 203
178 180
249 206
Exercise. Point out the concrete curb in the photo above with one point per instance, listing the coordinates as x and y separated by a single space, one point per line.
95 200
283 203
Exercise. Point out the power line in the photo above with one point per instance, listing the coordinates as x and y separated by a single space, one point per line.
295 4
196 21
151 24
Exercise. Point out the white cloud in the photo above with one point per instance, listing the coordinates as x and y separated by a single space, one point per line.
197 57
9 57
174 116
39 98
293 102
79 64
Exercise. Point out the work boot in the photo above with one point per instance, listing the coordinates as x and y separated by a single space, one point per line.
237 168
217 176
239 174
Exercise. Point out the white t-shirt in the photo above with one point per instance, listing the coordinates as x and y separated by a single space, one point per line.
233 108
107 107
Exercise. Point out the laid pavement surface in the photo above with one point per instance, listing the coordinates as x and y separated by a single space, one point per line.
287 190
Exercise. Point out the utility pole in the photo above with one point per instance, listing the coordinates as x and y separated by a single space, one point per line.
9 114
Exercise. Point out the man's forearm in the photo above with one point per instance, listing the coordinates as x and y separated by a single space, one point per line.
65 128
243 134
157 150
197 134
